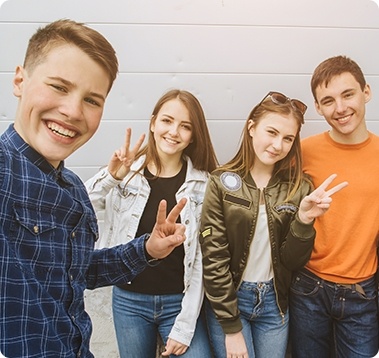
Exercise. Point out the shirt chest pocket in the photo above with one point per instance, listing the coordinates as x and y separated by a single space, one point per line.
33 236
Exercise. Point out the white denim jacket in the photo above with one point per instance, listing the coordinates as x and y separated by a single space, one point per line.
123 207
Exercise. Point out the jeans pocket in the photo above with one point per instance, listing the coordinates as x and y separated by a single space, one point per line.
304 285
369 289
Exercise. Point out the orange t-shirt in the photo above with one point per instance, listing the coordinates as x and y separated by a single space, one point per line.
347 234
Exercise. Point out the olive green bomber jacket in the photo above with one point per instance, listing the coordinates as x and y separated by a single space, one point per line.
228 221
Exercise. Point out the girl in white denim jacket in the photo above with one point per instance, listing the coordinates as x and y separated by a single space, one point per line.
179 155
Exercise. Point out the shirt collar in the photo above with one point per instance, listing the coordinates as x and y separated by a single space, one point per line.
36 158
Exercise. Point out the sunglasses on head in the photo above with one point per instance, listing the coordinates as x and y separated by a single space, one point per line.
280 98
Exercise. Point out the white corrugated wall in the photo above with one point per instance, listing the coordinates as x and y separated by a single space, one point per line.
229 53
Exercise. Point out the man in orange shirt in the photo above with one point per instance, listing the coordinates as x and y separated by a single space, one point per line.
333 299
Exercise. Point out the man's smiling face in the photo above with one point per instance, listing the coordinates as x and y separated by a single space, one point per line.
61 102
343 105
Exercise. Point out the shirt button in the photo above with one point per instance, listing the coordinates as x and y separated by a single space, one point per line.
35 229
73 235
71 277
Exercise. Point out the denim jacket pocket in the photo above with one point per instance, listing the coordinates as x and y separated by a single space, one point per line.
124 198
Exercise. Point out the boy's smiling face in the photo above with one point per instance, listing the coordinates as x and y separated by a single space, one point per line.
61 102
343 104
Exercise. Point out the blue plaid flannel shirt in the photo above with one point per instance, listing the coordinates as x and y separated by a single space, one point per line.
47 233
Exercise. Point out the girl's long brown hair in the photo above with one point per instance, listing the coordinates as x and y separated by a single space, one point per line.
200 150
289 167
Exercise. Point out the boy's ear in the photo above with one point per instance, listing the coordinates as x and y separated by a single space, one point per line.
367 92
318 109
18 81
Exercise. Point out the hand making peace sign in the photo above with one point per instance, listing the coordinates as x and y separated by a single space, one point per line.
318 202
122 159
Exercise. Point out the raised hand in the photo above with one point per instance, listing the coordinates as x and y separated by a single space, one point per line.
123 158
318 202
166 234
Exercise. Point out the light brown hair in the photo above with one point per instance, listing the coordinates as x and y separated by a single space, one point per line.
289 167
200 150
65 31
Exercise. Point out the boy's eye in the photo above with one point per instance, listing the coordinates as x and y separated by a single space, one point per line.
91 101
59 88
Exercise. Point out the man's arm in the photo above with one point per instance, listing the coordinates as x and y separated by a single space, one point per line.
120 264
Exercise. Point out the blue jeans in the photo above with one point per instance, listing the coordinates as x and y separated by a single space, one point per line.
332 320
264 329
138 318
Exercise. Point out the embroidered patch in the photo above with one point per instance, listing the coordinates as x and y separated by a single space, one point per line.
206 232
231 181
286 207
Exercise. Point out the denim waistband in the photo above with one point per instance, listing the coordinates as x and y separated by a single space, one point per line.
259 284
358 286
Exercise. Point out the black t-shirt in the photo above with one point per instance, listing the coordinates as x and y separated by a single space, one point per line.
167 277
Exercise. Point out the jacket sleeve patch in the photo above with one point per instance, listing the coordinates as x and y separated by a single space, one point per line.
236 200
206 232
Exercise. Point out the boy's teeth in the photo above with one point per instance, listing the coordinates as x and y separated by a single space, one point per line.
60 130
344 119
